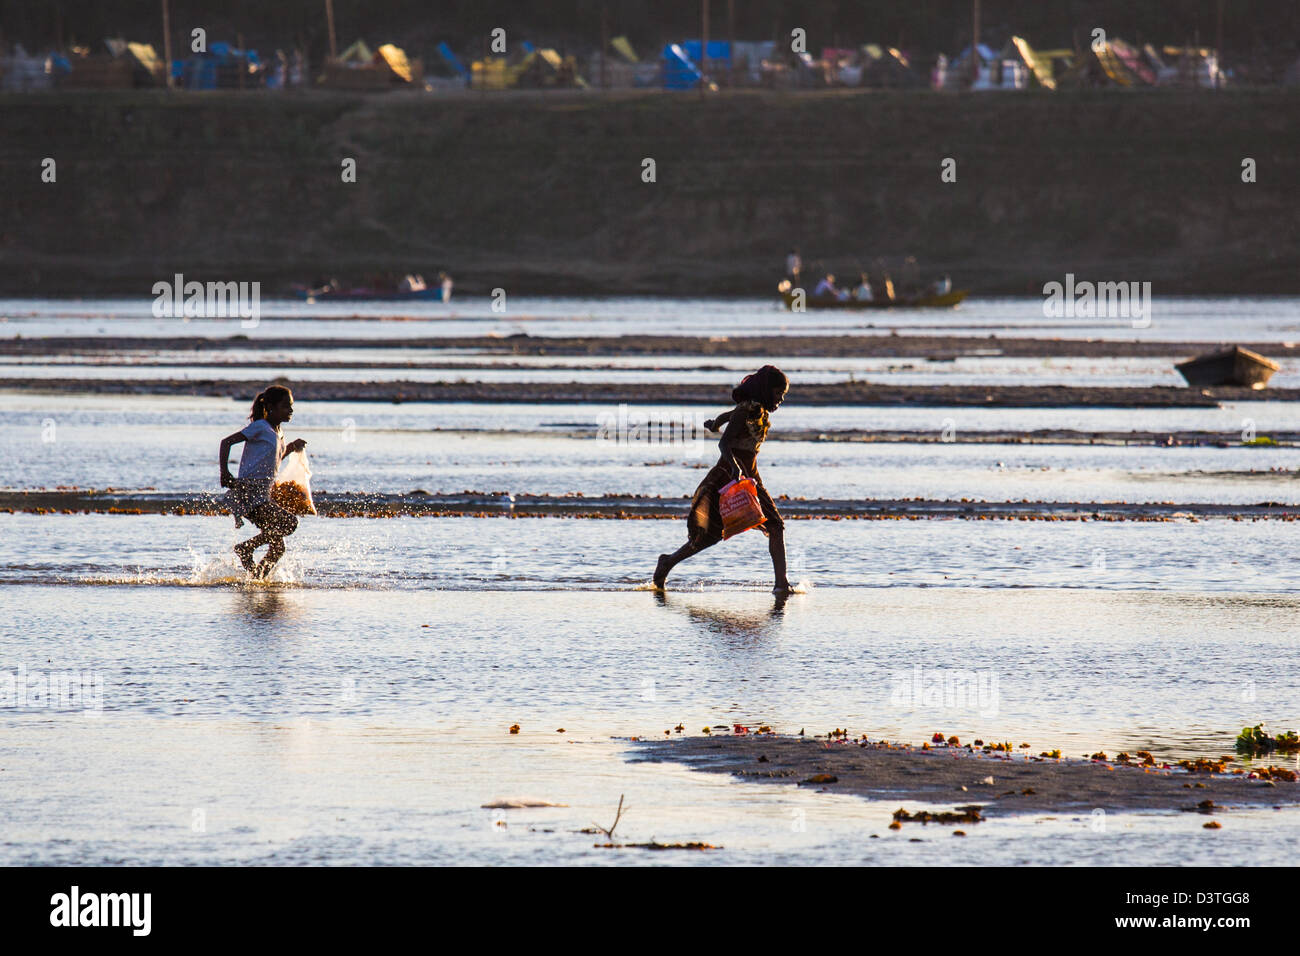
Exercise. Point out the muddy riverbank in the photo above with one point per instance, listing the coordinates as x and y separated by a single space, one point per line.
661 393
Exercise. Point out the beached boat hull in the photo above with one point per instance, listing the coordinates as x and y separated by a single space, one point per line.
1234 366
945 301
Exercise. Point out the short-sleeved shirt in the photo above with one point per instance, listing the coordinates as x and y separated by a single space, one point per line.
259 461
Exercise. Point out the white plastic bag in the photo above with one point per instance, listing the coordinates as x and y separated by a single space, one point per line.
292 488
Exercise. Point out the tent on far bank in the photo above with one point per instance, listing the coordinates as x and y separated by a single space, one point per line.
359 68
222 66
887 67
125 65
1187 66
23 72
965 73
1042 65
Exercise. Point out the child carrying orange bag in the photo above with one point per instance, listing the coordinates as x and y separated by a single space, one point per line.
731 499
738 505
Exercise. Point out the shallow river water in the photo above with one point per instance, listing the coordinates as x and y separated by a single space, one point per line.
356 709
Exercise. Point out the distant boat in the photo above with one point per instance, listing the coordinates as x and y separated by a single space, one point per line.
1232 366
409 288
944 300
361 293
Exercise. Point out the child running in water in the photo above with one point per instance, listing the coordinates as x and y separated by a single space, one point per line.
250 494
756 397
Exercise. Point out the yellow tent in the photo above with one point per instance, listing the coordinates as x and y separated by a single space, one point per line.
1041 66
624 49
358 52
396 59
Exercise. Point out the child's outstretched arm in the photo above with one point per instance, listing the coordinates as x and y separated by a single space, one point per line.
715 424
227 480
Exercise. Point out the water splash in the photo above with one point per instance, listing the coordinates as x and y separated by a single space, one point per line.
225 570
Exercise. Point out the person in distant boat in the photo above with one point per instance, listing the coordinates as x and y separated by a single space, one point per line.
411 283
793 266
323 285
444 283
889 288
863 292
826 288
942 285
756 398
910 284
250 494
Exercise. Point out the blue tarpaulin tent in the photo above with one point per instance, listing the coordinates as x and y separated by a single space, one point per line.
719 52
445 52
680 72
680 62
221 66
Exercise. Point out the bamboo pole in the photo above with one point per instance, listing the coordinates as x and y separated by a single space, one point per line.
604 45
329 19
731 39
1218 47
167 43
704 47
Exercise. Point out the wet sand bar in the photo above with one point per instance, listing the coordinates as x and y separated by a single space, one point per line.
487 504
996 783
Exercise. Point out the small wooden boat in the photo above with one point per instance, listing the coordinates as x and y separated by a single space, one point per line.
1233 366
945 300
366 294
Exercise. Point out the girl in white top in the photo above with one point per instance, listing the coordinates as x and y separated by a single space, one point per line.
250 494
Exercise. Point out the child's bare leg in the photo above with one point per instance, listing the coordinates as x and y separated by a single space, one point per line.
274 553
244 550
669 561
776 548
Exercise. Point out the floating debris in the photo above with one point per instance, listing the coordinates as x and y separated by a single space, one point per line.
1256 740
652 845
968 814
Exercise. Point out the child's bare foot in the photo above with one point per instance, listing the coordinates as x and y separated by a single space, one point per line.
244 552
263 569
782 587
661 571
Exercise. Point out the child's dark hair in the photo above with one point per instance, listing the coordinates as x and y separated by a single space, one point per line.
764 387
267 397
